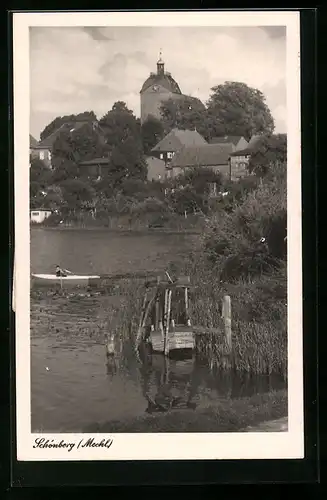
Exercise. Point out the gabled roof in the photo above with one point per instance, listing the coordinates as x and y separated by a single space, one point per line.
254 139
49 141
176 139
33 142
233 139
248 150
205 155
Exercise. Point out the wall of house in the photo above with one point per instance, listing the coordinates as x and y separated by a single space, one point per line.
39 216
166 156
156 169
223 169
151 101
42 154
239 166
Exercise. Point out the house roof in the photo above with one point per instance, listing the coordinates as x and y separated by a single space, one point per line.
247 151
254 139
205 155
165 80
33 142
95 161
233 139
49 141
176 139
40 209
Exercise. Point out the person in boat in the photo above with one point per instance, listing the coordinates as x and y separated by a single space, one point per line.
61 272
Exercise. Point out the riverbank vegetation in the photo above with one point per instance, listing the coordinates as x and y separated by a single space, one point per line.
122 196
242 249
228 415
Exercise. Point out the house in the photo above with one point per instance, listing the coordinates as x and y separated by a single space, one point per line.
240 159
93 169
175 141
156 168
38 215
43 149
237 141
214 156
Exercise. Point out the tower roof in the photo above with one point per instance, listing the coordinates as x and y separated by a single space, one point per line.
161 78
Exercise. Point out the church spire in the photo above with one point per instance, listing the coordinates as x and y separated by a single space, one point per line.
160 64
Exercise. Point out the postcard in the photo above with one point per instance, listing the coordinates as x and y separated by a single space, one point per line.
158 261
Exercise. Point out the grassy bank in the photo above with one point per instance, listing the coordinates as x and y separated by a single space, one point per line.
225 416
134 222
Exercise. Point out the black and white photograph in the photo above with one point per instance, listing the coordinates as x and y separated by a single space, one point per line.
158 263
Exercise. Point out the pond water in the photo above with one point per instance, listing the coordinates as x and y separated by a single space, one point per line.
74 384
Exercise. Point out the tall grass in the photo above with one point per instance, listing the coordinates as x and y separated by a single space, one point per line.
230 259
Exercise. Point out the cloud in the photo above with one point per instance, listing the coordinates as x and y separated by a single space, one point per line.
75 69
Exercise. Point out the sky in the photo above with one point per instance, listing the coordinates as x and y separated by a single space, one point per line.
76 69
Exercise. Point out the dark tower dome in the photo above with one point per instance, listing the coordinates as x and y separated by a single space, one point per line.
161 78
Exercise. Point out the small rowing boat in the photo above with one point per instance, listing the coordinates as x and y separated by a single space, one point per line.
70 280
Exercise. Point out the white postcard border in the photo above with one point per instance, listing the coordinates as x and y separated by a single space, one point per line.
164 446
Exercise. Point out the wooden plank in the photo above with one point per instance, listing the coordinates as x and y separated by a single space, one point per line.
203 330
227 315
167 322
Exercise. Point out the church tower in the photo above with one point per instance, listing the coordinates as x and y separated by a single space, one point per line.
157 88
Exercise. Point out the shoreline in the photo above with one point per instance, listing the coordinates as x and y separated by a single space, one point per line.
259 413
145 231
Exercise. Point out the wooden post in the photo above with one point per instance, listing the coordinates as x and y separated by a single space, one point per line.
140 327
166 339
186 304
227 316
157 318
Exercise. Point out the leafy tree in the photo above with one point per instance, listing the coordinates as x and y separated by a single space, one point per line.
184 113
70 148
126 161
60 120
54 197
120 124
40 179
200 179
77 194
237 109
268 155
39 172
152 131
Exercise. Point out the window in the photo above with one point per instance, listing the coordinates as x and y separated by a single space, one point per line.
41 155
161 156
35 213
169 155
49 155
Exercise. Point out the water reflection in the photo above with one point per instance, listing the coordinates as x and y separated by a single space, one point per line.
184 381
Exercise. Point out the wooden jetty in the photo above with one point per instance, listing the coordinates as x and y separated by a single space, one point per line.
165 320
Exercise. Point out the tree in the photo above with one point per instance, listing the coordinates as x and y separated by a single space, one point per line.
269 156
185 113
126 161
40 179
60 120
152 131
200 179
70 148
77 194
234 108
119 124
